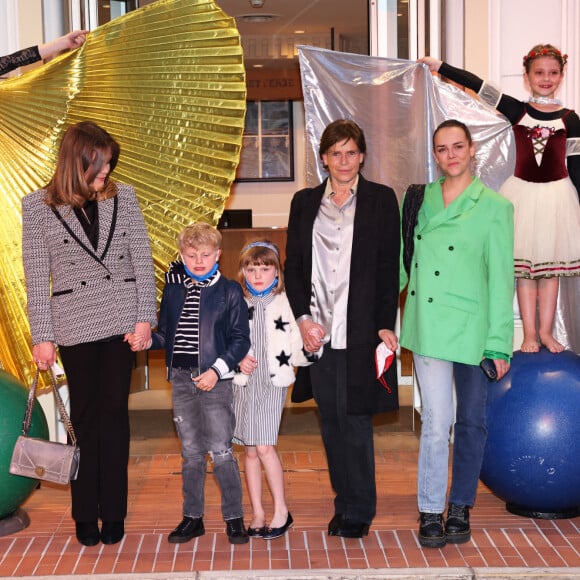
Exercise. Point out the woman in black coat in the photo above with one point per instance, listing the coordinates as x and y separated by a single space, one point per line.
342 281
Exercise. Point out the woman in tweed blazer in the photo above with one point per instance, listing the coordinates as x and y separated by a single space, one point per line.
90 283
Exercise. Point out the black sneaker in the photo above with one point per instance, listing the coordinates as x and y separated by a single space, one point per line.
457 530
431 534
237 533
188 529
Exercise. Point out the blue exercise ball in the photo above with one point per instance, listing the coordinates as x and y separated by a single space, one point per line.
14 489
532 454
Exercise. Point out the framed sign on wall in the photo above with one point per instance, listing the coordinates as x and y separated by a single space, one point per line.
267 148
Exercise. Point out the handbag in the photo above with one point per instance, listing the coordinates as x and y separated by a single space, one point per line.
42 459
411 206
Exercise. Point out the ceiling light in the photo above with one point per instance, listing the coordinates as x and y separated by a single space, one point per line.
257 3
254 18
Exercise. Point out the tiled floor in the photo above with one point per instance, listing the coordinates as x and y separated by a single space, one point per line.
500 540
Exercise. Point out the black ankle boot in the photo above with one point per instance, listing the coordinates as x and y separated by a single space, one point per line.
457 530
431 534
88 533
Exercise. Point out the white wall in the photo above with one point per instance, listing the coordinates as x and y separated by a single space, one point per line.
270 201
511 30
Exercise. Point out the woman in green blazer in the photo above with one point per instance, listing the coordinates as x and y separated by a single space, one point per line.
459 310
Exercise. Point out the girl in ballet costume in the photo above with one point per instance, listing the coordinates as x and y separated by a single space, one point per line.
544 189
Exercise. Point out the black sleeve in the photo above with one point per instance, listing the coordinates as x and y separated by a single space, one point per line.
508 106
18 59
573 161
297 289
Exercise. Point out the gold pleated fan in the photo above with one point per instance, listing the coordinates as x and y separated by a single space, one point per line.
168 82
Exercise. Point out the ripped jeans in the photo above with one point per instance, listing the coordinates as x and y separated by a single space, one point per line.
205 424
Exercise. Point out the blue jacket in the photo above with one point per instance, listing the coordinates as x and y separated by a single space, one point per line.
224 332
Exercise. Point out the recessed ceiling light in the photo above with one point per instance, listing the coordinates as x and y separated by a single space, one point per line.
299 31
257 17
258 66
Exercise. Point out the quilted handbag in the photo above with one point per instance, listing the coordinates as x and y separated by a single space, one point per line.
41 459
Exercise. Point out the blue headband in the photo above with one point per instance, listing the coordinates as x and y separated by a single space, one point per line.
262 245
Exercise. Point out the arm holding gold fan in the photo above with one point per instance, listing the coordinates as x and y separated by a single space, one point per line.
70 41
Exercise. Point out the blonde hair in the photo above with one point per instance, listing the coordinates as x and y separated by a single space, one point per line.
260 253
199 234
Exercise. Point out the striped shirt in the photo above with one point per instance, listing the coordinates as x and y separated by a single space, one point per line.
186 346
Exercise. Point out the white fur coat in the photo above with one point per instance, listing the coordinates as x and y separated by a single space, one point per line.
284 344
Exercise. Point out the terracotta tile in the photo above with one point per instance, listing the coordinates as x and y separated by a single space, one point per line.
500 539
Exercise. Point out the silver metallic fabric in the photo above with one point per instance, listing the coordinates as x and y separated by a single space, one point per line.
399 104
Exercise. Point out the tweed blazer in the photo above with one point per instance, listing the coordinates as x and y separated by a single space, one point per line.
75 293
373 296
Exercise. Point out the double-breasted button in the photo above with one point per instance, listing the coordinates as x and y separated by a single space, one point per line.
436 272
412 292
418 236
429 299
108 277
83 283
451 248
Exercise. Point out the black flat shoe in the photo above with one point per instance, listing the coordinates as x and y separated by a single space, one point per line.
334 524
351 529
188 529
273 533
88 533
257 532
112 532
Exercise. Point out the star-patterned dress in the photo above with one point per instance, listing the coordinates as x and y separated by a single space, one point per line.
546 182
259 398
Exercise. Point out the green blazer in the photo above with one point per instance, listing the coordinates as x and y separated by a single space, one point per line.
461 284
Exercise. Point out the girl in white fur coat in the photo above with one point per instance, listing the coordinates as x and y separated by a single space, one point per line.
261 386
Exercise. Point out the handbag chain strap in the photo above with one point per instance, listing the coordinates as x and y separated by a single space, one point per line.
59 403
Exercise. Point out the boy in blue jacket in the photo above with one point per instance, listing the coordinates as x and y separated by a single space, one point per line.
203 327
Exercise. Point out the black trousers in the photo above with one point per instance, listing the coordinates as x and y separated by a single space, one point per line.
348 440
99 377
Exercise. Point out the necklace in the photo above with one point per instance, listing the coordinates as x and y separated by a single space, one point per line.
86 216
544 101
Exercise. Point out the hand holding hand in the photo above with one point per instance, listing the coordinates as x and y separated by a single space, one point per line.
248 364
312 335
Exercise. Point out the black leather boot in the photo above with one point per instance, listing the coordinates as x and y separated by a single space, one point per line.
188 529
431 534
236 532
457 530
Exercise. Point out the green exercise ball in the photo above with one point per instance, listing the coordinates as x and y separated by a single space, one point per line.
14 489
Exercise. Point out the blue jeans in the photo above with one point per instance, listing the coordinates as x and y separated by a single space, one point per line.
205 425
436 383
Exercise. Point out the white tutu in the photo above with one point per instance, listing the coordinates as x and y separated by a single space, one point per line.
547 227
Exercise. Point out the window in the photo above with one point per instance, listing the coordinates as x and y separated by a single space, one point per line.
267 147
